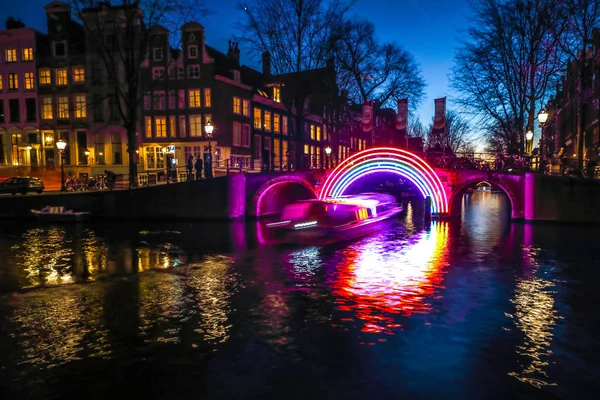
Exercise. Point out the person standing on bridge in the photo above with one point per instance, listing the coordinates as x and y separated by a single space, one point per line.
190 167
198 166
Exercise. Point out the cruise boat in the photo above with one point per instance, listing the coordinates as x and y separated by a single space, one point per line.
319 222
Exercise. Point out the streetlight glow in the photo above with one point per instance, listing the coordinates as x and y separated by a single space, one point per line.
209 129
543 117
328 150
529 135
61 145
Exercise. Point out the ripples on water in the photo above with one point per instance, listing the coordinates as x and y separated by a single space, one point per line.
433 301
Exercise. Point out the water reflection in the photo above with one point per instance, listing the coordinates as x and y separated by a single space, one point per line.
380 278
535 315
53 330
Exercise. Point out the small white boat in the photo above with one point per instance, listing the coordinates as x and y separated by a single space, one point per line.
60 214
320 222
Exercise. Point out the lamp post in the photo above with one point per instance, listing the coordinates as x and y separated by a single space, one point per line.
328 153
543 117
61 145
529 139
208 128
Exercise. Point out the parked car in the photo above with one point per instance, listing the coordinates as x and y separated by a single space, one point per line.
22 184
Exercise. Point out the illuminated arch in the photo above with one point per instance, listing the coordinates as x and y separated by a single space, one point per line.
268 186
388 159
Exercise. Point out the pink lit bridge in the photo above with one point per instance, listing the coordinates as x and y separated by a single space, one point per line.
270 192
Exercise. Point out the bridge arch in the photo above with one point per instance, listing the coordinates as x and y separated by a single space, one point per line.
271 196
514 195
392 160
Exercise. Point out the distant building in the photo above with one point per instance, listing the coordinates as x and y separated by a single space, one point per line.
20 142
561 136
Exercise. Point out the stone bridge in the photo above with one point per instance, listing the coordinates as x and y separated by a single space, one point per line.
267 194
532 196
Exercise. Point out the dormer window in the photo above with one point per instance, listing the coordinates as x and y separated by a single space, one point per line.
193 51
236 75
277 94
158 54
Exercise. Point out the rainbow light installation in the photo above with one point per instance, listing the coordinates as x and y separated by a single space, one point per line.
387 159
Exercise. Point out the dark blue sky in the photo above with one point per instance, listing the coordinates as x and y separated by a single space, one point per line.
427 29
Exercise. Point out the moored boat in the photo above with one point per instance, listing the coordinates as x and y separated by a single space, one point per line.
320 222
60 214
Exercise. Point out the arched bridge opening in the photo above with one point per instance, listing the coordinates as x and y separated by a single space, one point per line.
475 186
387 160
276 193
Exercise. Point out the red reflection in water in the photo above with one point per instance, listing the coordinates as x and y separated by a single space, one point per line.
379 280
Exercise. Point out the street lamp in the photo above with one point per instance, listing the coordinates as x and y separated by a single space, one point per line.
328 153
61 145
529 138
208 128
543 117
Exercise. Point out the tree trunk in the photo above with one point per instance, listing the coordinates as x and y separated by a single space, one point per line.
580 119
131 150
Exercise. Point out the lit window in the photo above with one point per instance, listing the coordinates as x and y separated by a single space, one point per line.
80 106
1 86
161 126
276 123
237 105
194 98
45 78
195 125
11 55
277 94
61 77
312 132
47 107
207 97
148 125
284 124
257 119
27 54
78 74
29 82
246 108
172 126
194 71
13 81
267 120
63 107
318 133
193 51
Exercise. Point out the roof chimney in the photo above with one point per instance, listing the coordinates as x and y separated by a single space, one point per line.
234 53
11 23
266 64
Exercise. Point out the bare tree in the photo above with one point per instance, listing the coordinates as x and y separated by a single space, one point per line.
373 71
505 67
457 138
415 128
299 35
118 35
577 21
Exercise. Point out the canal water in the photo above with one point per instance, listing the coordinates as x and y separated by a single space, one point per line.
474 308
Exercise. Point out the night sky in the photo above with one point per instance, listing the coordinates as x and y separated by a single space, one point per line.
429 30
